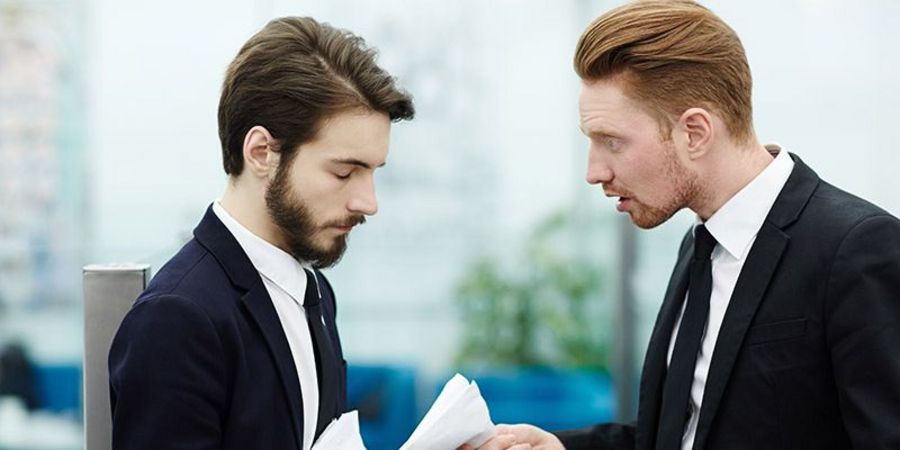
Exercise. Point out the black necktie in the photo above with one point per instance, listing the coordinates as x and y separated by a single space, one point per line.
326 361
680 377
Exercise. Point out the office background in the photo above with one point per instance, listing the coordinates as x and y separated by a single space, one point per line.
109 153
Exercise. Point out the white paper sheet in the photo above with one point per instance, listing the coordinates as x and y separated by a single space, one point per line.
458 416
341 434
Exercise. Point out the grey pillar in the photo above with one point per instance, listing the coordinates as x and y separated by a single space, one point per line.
624 354
109 291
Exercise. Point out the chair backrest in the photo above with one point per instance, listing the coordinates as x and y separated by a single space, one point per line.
109 292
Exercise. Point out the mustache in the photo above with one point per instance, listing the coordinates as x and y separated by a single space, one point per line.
351 221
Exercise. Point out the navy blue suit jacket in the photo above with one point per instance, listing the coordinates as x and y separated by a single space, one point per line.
201 360
808 356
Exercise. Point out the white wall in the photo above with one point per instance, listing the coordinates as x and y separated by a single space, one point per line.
494 147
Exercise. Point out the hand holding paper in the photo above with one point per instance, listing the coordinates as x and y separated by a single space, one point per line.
458 416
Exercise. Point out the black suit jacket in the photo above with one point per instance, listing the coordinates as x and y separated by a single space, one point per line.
201 360
808 356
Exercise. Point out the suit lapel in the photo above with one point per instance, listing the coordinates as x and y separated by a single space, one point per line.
748 293
658 348
212 234
259 304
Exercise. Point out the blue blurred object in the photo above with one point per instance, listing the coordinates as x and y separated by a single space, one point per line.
552 399
385 398
59 387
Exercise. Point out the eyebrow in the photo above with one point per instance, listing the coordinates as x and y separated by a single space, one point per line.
355 162
597 133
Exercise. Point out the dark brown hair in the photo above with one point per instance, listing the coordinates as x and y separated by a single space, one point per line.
672 56
293 75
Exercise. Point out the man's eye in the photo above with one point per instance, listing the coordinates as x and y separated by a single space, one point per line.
343 176
612 143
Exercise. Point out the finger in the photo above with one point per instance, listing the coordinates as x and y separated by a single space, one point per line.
466 447
524 446
499 442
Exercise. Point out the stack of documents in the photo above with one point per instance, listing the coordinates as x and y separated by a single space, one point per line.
341 434
458 416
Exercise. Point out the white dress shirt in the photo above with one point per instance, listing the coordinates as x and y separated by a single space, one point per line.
285 281
734 226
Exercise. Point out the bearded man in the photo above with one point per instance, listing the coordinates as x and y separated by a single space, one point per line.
233 345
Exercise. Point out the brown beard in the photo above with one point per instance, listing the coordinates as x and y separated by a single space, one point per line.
685 187
298 226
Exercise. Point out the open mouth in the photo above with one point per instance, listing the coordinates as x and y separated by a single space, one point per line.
623 203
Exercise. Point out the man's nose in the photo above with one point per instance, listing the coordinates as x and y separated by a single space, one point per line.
598 172
363 200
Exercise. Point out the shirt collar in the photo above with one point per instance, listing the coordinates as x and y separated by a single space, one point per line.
272 262
737 222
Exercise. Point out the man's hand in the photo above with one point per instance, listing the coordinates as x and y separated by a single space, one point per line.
520 437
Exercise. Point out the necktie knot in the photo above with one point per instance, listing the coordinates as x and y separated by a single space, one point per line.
704 242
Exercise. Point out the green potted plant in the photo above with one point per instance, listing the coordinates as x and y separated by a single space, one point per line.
536 331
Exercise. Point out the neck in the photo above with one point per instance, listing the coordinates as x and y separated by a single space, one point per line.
246 204
728 170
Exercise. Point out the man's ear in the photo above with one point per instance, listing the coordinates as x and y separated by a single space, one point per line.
261 157
694 132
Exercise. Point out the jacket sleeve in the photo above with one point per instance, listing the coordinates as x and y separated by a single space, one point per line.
863 331
166 374
606 436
